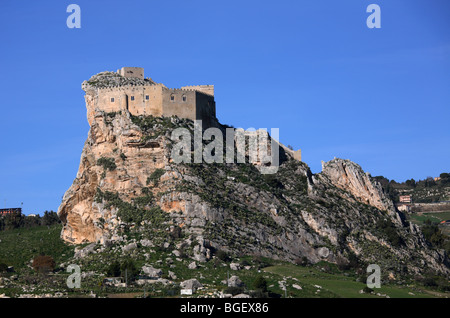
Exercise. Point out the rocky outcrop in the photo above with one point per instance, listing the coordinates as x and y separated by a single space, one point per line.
128 181
350 177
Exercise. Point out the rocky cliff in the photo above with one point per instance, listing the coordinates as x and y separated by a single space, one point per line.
129 188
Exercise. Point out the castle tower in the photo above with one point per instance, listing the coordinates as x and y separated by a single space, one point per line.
137 72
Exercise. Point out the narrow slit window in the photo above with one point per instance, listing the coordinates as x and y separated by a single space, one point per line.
112 99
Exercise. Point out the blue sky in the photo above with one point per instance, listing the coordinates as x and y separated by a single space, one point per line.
313 69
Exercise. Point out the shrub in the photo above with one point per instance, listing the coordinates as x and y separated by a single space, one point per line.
129 270
303 261
113 269
367 290
107 163
233 290
3 267
222 255
155 176
43 264
259 294
433 234
260 284
244 263
389 230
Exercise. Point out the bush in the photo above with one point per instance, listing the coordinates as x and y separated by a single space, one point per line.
43 264
260 284
367 290
222 255
303 261
155 176
259 294
114 269
129 270
3 267
389 230
433 234
234 290
244 263
107 163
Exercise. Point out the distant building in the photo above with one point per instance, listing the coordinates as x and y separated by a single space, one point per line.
437 178
404 208
10 211
405 199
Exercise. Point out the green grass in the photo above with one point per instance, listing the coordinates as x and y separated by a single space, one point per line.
338 285
19 246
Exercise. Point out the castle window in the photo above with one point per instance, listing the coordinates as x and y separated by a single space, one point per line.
132 97
147 97
112 99
184 98
172 97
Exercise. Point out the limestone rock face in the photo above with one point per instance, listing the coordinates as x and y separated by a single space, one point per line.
350 177
117 141
127 181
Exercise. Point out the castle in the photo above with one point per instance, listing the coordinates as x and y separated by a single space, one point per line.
127 89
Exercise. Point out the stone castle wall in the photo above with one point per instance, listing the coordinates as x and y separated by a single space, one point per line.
158 100
130 91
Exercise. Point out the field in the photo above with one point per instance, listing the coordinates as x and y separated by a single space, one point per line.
421 217
18 247
435 217
338 285
323 280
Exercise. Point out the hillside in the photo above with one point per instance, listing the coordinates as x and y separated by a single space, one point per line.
281 278
421 191
128 190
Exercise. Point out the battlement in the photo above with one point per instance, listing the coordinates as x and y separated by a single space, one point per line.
206 89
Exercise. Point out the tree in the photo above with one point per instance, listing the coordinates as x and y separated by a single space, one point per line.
129 270
50 218
13 221
113 269
411 183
